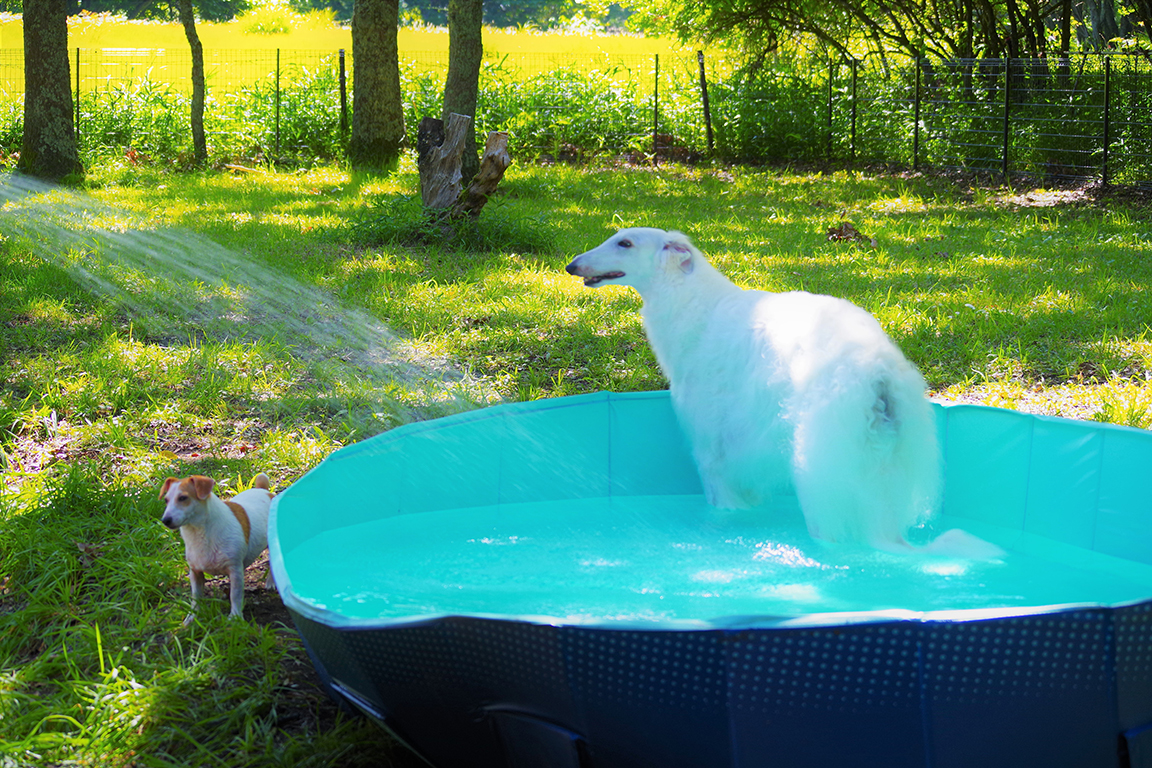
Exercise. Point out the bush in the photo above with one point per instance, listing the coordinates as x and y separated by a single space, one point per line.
309 117
150 118
771 114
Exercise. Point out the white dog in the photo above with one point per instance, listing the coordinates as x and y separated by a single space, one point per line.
221 538
782 391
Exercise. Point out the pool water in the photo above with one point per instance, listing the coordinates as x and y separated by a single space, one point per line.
672 559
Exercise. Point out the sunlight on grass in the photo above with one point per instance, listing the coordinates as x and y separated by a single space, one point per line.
897 205
997 303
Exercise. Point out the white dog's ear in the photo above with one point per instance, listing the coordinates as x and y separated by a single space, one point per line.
681 252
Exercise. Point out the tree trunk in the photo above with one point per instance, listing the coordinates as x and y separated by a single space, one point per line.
1063 66
462 86
967 47
1065 27
49 145
377 111
1144 15
199 142
1102 16
1013 41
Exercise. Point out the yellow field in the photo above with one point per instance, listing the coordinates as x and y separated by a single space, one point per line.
107 50
317 32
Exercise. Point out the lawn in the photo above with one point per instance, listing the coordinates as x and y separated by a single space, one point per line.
229 323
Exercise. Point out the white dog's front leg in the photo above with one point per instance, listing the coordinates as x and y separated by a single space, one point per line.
236 589
197 580
719 489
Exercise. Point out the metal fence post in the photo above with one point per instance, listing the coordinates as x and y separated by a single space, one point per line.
704 95
343 96
656 113
831 75
853 109
1007 108
1107 118
916 123
277 102
76 120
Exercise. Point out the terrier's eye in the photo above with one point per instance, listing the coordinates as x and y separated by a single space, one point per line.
624 243
182 498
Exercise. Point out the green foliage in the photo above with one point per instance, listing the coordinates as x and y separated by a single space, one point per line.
771 114
539 14
150 118
11 127
268 20
993 29
561 111
423 95
208 10
342 9
787 108
309 116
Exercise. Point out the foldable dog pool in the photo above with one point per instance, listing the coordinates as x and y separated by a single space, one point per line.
541 584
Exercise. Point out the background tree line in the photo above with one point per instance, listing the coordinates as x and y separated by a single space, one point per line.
945 29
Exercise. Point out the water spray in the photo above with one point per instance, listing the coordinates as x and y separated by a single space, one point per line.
180 285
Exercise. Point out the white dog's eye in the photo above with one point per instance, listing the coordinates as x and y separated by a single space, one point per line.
624 243
182 498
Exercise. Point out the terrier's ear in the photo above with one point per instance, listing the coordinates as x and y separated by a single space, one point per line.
164 488
680 248
203 486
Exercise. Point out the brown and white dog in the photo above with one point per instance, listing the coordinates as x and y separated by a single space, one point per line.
221 538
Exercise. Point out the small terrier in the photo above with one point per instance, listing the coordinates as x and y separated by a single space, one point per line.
220 537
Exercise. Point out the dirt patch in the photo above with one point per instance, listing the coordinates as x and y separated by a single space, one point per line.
1070 401
1049 198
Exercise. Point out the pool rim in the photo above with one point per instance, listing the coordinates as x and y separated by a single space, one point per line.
336 619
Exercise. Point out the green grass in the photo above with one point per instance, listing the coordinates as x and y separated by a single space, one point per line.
997 297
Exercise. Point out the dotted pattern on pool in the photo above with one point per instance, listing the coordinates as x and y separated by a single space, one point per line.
1054 686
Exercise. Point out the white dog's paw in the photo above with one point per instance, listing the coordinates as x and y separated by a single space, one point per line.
960 543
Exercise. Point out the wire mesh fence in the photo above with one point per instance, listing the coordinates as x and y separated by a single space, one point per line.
1082 118
1087 117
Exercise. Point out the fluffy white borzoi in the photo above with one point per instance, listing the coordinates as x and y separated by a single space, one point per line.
777 391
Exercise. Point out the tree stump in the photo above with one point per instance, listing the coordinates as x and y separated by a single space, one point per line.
439 149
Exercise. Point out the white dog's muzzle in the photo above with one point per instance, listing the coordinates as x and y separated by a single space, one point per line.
592 278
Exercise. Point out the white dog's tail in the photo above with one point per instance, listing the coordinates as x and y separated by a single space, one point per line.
866 461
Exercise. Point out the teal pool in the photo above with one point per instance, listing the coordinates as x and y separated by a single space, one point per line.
542 584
